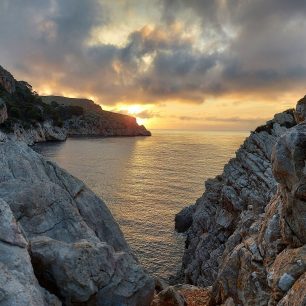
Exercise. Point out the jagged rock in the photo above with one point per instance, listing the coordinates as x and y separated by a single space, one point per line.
41 132
79 270
246 183
288 168
7 81
300 111
18 284
183 219
247 236
169 297
296 296
97 122
160 284
3 111
77 248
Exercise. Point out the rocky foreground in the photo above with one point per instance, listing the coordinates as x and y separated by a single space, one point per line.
246 235
59 244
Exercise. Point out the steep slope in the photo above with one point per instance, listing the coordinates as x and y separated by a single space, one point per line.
95 121
86 104
25 116
247 233
58 241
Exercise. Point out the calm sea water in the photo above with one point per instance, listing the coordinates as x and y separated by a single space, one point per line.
145 181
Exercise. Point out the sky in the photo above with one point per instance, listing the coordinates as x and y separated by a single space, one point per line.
174 64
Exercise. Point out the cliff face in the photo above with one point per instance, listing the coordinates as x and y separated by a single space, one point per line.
31 118
58 241
7 80
247 233
97 122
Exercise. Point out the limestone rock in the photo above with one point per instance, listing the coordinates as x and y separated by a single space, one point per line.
41 132
7 81
247 236
247 184
300 111
18 284
169 297
78 251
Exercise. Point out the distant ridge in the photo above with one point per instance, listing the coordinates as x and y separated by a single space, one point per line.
24 115
87 104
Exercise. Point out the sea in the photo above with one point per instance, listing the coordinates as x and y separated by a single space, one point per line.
145 181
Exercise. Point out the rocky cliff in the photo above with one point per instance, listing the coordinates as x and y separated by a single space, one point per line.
59 244
246 235
96 122
27 116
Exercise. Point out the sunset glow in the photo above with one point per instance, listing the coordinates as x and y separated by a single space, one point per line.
171 64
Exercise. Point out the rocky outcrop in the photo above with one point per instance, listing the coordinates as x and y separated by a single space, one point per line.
87 104
3 111
105 124
7 81
232 202
248 231
97 122
18 284
40 132
58 241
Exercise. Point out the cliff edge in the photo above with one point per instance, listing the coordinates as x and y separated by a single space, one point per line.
24 115
59 243
246 234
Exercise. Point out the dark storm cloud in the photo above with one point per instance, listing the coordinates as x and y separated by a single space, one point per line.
267 44
248 47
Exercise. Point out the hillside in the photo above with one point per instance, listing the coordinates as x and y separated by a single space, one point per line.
86 104
94 121
27 116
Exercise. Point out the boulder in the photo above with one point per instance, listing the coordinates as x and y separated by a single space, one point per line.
77 249
18 284
183 219
300 111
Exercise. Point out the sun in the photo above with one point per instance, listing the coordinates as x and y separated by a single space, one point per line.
134 109
140 121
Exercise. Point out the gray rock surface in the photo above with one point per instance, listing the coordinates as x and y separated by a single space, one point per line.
41 132
77 250
183 219
7 81
247 238
18 284
300 111
232 202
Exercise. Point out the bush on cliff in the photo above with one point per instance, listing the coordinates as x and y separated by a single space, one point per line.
26 107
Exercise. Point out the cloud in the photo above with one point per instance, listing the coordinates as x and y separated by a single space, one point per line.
145 114
186 52
225 119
